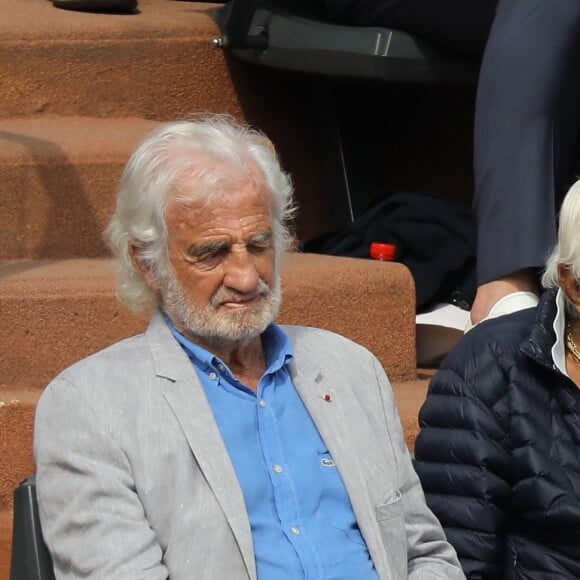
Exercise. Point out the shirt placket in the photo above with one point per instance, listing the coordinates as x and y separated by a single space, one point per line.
281 476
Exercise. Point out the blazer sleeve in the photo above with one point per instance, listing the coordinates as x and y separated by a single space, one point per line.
463 459
92 519
429 555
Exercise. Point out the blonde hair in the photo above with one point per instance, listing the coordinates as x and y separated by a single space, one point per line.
567 249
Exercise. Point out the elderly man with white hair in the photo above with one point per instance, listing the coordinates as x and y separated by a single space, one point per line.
499 449
217 444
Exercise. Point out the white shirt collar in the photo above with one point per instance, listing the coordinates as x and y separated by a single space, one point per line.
559 348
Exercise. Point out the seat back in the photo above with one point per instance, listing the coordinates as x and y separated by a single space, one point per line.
30 557
278 34
300 36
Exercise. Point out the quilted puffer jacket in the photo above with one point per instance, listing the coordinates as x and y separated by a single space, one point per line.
499 451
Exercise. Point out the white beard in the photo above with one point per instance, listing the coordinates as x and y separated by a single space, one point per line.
217 328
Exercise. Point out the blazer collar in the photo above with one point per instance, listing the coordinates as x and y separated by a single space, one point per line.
185 395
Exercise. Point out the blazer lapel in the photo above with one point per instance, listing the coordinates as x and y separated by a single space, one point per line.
186 397
328 408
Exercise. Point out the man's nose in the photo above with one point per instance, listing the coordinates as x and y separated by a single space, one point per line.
240 272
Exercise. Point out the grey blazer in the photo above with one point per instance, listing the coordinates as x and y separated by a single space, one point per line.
134 480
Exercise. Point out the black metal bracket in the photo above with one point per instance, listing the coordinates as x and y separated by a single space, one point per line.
237 20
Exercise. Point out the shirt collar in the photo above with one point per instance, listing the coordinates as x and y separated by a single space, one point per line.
559 326
276 344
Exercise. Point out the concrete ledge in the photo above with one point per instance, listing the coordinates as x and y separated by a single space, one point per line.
70 169
53 313
59 177
74 63
370 302
156 64
410 397
17 409
5 544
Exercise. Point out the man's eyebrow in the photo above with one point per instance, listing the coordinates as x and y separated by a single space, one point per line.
261 238
208 247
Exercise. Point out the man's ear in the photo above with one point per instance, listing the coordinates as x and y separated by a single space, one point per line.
569 285
143 267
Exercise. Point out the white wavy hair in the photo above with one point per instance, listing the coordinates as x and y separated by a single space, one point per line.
194 151
567 250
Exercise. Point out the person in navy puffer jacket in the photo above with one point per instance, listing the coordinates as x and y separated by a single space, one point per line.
499 449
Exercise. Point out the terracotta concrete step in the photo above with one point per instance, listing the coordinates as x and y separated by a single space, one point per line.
5 544
17 406
156 63
54 312
59 177
370 302
69 169
410 396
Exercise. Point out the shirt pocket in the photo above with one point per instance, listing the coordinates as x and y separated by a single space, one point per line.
391 521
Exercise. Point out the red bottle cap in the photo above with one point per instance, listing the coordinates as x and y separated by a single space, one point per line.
384 252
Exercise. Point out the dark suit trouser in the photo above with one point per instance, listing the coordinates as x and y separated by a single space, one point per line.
526 120
528 100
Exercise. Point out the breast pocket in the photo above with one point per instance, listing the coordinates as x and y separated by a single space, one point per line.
391 520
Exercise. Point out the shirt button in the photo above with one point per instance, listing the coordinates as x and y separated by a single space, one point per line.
213 376
262 403
295 531
277 468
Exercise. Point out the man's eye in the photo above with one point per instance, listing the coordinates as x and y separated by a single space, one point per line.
211 257
258 247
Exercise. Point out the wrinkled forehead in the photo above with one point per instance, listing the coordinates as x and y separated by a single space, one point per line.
239 214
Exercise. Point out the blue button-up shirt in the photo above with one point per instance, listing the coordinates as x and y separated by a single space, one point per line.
303 525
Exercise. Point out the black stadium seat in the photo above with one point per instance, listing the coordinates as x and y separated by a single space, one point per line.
30 558
298 36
